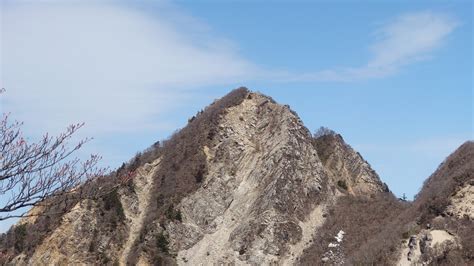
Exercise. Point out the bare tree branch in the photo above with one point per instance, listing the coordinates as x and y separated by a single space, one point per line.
30 173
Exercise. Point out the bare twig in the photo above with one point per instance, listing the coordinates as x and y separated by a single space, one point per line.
30 173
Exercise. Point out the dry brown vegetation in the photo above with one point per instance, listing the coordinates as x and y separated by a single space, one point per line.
364 220
377 226
454 173
182 168
103 191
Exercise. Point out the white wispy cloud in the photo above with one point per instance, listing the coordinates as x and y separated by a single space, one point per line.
111 66
410 37
117 68
405 39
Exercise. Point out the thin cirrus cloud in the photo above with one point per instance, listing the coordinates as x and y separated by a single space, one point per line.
406 39
116 68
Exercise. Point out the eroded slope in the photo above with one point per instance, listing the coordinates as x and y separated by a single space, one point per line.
245 183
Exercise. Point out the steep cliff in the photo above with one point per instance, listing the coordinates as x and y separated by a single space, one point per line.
346 167
243 183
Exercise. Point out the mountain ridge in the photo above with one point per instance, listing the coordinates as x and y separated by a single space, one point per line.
245 182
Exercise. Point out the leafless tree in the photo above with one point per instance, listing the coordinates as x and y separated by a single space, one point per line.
323 131
30 173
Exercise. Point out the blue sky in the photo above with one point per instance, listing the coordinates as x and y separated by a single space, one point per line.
395 79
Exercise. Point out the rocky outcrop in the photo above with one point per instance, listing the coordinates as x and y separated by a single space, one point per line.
135 207
421 248
346 167
244 183
462 203
257 195
264 179
84 238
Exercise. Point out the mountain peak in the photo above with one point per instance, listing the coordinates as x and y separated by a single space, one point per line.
347 167
244 182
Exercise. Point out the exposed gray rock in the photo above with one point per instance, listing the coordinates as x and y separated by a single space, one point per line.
250 207
256 191
346 167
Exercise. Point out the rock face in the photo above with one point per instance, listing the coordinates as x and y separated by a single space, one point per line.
346 167
426 245
462 203
264 177
244 183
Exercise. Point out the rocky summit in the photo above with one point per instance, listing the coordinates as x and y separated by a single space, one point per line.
246 183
